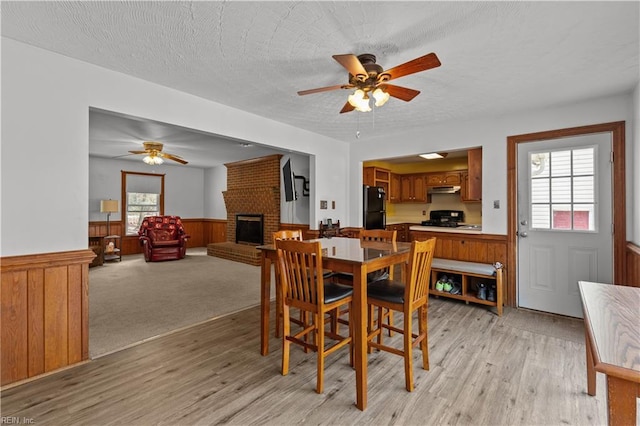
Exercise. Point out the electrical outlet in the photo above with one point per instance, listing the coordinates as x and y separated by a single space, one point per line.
496 204
424 212
323 204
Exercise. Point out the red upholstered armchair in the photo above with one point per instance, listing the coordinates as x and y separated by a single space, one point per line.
163 238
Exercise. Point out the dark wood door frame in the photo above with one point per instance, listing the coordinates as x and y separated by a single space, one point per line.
617 130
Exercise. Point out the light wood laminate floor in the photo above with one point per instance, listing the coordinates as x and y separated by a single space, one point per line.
520 369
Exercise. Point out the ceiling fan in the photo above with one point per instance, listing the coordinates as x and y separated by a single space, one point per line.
154 154
367 77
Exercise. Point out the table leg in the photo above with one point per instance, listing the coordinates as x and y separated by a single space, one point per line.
591 370
621 399
265 301
359 318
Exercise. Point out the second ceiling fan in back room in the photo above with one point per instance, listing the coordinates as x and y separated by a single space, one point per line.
369 79
154 154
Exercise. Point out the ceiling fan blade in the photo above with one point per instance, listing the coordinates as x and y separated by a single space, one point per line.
138 152
322 89
173 157
347 108
422 63
352 64
399 92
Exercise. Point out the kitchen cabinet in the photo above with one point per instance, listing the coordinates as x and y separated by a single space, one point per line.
413 188
465 195
394 188
376 176
402 231
473 181
443 178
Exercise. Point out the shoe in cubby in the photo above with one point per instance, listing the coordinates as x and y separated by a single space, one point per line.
491 293
482 291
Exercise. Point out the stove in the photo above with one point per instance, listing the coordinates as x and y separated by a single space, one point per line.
444 218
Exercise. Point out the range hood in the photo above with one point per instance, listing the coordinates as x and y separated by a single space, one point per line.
447 189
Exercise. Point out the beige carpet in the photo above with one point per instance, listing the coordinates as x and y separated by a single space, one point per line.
132 300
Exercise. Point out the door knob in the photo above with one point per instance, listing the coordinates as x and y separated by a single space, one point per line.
523 234
523 222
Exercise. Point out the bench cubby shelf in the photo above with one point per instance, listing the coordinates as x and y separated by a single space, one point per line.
468 274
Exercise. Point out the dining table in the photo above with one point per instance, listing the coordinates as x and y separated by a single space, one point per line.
612 340
349 255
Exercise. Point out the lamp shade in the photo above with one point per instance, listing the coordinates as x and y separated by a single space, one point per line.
108 206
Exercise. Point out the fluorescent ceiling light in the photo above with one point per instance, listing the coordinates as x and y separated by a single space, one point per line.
432 156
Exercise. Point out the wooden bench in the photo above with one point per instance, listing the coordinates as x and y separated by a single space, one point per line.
469 273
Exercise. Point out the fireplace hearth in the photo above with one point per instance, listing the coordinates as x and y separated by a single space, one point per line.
249 229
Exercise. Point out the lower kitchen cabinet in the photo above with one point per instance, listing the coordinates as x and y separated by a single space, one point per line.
402 230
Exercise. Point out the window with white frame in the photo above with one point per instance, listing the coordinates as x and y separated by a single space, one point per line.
143 197
563 189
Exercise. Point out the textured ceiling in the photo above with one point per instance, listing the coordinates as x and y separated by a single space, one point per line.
497 57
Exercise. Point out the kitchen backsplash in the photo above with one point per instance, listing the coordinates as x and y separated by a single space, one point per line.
412 212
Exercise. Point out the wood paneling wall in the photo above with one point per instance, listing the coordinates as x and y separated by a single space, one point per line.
633 265
202 232
44 313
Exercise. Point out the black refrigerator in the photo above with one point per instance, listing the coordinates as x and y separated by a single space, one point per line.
375 215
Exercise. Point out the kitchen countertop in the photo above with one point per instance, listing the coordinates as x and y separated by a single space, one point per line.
472 229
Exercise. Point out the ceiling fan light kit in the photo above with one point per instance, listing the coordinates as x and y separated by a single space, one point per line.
153 159
366 76
154 155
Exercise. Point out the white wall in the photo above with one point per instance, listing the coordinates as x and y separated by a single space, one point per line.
183 186
491 133
633 165
45 160
215 182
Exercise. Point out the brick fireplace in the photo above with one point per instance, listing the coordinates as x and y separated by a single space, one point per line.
253 189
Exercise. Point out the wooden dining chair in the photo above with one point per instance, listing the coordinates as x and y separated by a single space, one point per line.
381 235
302 286
283 234
406 298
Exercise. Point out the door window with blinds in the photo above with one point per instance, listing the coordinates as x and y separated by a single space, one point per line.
143 196
563 189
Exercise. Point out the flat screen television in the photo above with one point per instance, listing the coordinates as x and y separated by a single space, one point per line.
289 182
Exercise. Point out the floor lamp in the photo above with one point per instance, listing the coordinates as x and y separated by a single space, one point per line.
108 207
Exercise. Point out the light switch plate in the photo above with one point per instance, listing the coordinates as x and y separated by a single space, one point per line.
496 204
323 204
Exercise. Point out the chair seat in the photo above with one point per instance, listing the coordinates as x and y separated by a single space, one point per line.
334 292
386 290
166 243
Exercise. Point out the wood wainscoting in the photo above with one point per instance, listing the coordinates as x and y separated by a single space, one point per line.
202 232
633 265
45 313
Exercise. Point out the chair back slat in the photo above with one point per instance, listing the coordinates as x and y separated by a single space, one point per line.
287 234
420 260
381 235
300 268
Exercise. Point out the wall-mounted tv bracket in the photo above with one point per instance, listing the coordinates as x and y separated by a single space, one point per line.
305 185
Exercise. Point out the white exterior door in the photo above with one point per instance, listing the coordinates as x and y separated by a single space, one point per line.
564 220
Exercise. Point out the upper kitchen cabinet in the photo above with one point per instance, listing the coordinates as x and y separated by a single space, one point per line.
376 176
394 188
413 188
471 188
443 178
